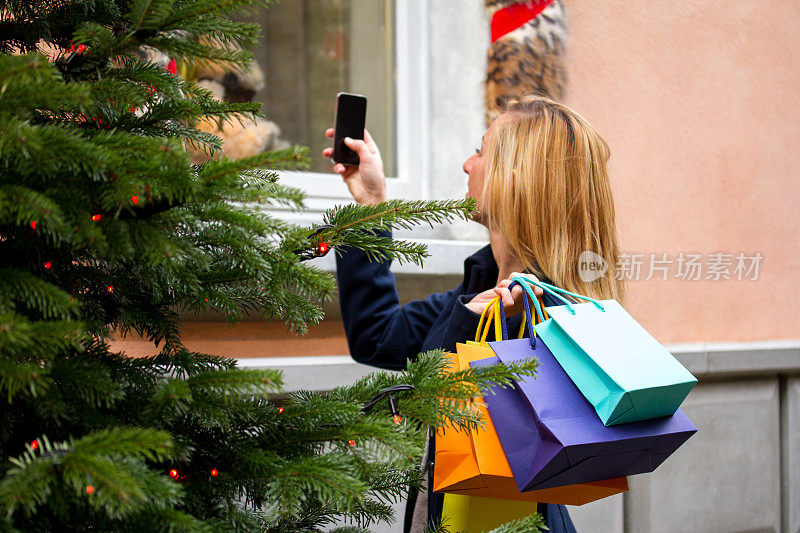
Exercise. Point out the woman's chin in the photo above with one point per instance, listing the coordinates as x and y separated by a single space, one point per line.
478 217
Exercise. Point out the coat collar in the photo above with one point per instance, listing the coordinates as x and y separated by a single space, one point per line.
480 271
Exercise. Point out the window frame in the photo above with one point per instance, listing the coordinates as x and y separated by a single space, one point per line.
326 190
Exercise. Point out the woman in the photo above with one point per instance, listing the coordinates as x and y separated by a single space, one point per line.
541 182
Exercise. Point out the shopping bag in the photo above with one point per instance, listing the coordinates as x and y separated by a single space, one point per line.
474 464
493 315
551 435
471 514
618 366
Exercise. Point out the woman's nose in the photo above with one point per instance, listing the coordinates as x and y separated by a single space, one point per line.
467 164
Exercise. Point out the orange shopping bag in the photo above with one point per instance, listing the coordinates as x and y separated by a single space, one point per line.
474 464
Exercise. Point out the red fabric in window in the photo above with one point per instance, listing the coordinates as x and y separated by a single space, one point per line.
512 17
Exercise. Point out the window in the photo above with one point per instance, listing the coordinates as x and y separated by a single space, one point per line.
396 33
313 49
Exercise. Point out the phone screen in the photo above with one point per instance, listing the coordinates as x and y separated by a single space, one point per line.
351 113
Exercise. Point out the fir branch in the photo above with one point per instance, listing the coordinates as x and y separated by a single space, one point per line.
292 157
142 75
197 10
129 442
22 206
168 519
18 73
17 378
530 524
23 339
363 226
107 460
325 478
396 212
149 10
236 381
195 52
17 286
441 397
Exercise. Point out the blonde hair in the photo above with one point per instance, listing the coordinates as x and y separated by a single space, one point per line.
547 191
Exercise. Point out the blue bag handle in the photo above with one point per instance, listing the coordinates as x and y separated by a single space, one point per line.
556 292
522 282
528 316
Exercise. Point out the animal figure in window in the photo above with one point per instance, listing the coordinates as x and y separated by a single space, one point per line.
240 138
528 59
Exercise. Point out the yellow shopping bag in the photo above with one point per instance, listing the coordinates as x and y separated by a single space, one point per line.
471 514
492 314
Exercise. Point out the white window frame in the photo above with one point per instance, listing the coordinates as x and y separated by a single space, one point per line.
326 190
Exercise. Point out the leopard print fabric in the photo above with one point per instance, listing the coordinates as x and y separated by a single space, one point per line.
531 58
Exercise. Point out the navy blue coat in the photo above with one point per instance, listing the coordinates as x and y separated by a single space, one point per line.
382 333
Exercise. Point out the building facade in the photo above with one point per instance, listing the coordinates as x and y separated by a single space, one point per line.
698 104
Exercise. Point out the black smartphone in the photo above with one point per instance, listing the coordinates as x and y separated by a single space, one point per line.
348 121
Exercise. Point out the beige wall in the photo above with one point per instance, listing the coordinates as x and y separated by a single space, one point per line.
698 101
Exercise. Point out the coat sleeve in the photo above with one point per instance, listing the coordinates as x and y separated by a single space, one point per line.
461 325
381 332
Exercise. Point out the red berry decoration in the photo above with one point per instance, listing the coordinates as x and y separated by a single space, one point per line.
89 488
33 225
96 217
351 442
35 444
135 199
173 473
214 472
48 264
280 410
110 288
322 248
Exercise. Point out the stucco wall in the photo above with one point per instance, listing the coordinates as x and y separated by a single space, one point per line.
698 101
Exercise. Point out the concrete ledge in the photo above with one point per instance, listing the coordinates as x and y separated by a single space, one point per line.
321 372
740 358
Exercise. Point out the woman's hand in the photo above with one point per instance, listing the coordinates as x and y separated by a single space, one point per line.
512 299
366 182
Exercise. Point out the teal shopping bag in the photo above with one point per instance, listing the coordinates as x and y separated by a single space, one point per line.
619 367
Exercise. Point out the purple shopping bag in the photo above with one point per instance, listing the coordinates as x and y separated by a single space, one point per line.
552 435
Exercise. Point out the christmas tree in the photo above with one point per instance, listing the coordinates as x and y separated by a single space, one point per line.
106 228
